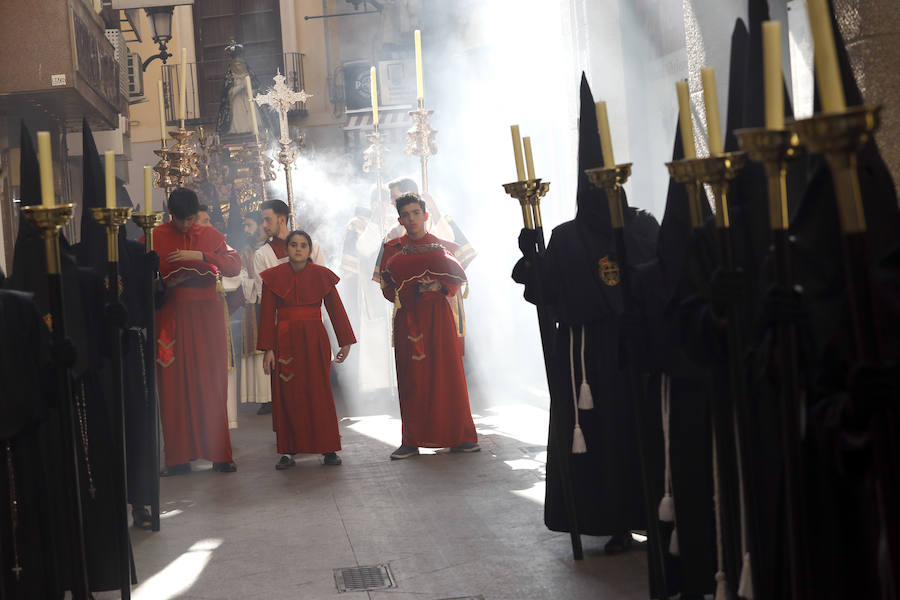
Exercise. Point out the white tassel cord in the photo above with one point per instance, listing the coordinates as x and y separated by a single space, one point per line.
585 399
667 504
673 543
745 583
721 582
578 444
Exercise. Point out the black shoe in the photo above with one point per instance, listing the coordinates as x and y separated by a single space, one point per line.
142 518
466 447
618 543
265 409
224 467
285 462
331 458
175 470
404 452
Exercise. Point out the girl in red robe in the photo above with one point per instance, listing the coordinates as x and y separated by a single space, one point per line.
298 353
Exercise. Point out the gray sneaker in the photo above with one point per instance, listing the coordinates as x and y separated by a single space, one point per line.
404 452
331 458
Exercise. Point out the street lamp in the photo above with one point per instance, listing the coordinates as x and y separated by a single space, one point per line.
160 18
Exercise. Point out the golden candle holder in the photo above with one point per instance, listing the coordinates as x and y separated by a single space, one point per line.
147 221
684 172
529 194
420 139
49 219
840 136
611 180
112 219
718 171
774 148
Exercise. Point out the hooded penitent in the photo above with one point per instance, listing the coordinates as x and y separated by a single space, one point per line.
580 278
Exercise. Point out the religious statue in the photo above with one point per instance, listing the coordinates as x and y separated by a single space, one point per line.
234 109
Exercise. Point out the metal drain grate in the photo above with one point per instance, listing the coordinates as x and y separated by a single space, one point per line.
361 579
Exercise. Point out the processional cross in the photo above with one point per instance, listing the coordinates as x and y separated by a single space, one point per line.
280 98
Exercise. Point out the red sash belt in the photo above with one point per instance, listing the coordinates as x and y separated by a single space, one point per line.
299 313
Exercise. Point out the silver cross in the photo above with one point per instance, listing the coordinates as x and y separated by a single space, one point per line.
280 98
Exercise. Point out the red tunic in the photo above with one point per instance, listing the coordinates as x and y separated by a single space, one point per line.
434 399
191 347
291 324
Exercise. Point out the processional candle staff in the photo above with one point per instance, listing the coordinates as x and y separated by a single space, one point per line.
373 156
113 217
529 193
49 217
147 220
773 146
840 133
610 178
420 137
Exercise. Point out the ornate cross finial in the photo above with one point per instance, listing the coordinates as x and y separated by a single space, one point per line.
280 97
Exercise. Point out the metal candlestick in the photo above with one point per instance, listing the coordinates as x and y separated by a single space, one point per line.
373 160
774 148
420 139
684 172
112 219
840 136
529 194
610 180
261 168
147 221
280 98
49 219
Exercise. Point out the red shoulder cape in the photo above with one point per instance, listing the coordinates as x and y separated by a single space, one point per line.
314 282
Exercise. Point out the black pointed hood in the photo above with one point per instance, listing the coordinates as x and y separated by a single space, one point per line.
737 80
593 208
91 251
29 271
676 229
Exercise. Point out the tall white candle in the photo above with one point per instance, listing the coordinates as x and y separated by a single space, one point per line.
517 152
148 189
45 160
162 111
529 160
254 124
711 100
828 74
374 91
420 85
182 88
609 160
774 90
684 119
110 179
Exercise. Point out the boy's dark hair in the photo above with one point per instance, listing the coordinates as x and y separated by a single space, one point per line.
297 232
279 207
404 184
183 203
254 215
409 198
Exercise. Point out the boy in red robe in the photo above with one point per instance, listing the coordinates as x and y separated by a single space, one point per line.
431 382
298 353
191 341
